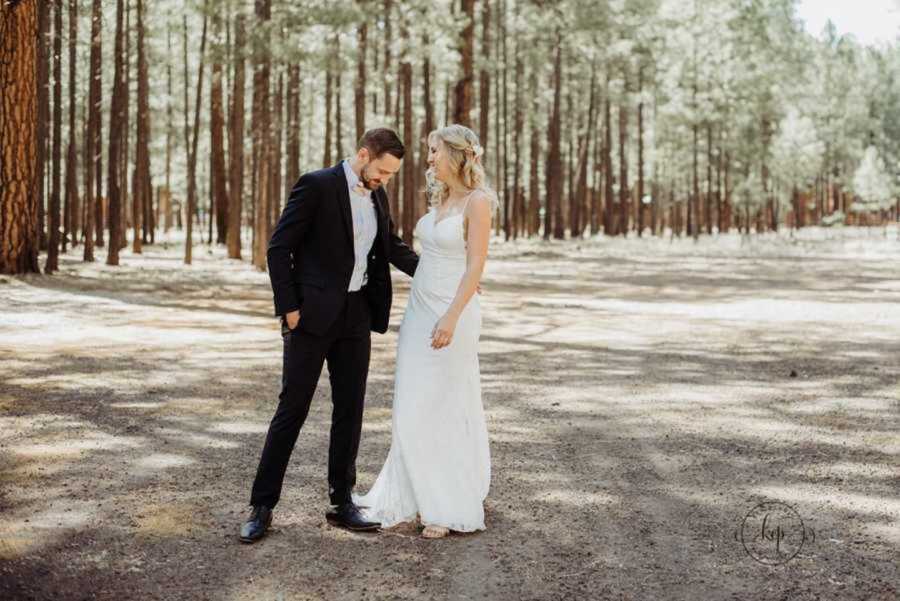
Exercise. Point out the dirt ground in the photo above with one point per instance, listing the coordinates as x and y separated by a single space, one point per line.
643 398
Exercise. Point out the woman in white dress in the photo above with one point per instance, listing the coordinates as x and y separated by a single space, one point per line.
439 463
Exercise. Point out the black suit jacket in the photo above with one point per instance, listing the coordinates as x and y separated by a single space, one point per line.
310 255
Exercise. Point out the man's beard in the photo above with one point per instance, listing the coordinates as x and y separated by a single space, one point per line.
369 184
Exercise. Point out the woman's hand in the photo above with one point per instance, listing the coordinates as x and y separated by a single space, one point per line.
442 334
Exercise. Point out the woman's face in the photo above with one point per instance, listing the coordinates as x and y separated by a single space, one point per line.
439 161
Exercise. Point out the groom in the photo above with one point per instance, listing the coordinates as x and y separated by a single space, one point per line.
328 264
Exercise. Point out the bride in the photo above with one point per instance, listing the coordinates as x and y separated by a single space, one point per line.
439 463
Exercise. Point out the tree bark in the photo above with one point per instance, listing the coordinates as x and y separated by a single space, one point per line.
73 211
125 209
534 202
359 89
293 127
192 148
52 263
484 84
142 185
236 143
624 195
19 67
580 200
338 105
386 67
262 133
554 160
518 194
326 156
170 133
427 127
113 178
609 224
42 54
93 175
218 175
463 89
640 140
409 164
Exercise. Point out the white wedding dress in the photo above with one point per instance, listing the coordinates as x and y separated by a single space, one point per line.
439 462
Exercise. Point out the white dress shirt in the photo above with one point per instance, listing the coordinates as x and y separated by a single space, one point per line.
365 227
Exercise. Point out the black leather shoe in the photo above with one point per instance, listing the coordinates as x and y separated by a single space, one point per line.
257 525
348 516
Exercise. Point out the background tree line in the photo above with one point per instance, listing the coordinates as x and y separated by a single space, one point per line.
120 120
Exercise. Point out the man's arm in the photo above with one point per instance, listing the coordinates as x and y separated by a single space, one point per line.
399 254
292 226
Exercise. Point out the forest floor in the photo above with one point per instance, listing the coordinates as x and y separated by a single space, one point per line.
643 397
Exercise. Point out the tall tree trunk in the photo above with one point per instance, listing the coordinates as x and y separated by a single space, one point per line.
359 88
293 127
170 132
609 224
498 128
192 141
640 141
463 89
93 223
113 178
719 186
484 85
43 117
394 189
338 105
126 132
275 156
694 202
427 127
624 192
596 190
52 263
707 201
262 132
534 201
388 60
19 68
218 180
326 156
73 211
552 208
408 166
142 186
504 102
236 142
579 202
518 196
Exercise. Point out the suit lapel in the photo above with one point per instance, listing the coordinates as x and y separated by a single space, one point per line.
343 196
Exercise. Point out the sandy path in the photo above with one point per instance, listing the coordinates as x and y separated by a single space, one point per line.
640 400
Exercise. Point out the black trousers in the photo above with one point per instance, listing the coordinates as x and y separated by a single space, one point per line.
346 347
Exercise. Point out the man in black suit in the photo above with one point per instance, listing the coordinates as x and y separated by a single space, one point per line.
328 264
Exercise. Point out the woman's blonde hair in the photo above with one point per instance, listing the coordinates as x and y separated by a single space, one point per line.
464 153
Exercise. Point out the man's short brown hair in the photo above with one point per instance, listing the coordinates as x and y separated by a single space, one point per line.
381 140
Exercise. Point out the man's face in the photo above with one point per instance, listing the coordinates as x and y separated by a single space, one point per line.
377 172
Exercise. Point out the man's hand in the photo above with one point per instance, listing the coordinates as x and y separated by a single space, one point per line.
292 318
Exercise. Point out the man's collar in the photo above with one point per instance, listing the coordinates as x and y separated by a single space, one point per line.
352 178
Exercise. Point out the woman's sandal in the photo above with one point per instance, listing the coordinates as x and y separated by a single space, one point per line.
435 531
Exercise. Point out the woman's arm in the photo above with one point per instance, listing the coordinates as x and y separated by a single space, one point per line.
478 214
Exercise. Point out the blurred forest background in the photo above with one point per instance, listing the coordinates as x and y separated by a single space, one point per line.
123 120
